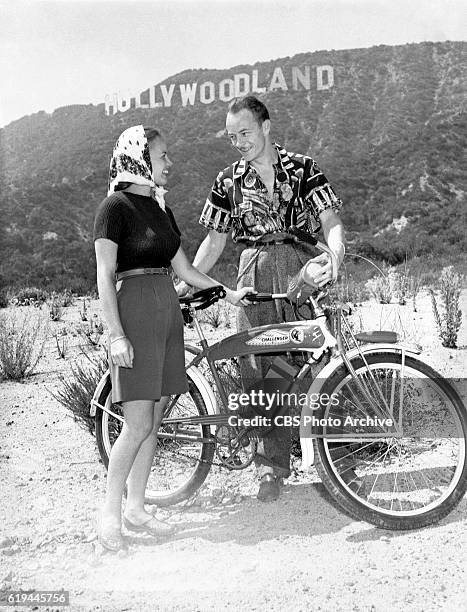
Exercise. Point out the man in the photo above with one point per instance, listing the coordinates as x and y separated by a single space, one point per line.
258 198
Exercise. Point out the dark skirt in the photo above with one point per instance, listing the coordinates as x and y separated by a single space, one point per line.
152 320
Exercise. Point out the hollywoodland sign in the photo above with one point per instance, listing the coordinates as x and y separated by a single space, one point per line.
188 94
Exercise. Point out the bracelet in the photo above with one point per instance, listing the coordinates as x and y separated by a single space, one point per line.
117 338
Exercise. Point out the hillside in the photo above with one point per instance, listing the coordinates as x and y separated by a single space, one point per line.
389 135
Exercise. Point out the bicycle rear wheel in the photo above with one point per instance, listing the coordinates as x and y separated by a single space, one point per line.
403 481
180 465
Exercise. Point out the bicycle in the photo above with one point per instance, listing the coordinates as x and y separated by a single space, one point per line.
386 432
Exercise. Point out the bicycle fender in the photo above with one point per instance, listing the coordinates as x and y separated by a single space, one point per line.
97 393
198 378
306 441
204 388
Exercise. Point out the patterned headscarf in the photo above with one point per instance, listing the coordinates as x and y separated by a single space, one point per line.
131 162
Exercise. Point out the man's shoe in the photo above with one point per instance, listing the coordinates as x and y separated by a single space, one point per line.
269 488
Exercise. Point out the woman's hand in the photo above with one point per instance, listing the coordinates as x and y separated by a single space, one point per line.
182 289
238 298
121 352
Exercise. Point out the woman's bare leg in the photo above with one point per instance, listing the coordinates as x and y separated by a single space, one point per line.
139 474
139 422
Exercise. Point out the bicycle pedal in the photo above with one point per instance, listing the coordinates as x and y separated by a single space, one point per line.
244 440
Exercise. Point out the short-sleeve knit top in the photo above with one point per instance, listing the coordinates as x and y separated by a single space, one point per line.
147 237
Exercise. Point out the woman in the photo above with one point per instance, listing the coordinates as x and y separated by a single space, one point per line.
136 238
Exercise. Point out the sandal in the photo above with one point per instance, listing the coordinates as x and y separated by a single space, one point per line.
160 528
110 538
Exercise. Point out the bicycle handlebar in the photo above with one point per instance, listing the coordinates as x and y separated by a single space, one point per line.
204 298
207 297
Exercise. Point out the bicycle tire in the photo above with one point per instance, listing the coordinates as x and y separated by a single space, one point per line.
169 482
372 505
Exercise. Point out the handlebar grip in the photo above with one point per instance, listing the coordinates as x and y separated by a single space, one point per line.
259 297
204 298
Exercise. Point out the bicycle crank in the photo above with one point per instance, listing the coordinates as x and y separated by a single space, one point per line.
235 448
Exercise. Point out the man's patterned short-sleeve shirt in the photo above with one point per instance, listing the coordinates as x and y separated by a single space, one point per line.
239 200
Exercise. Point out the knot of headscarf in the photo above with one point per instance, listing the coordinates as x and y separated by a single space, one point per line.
131 161
158 194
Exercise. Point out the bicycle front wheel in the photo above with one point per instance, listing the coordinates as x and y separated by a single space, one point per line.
406 479
183 455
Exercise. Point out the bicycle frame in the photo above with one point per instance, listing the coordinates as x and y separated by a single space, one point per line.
310 336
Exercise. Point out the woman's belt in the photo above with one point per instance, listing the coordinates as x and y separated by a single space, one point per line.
140 271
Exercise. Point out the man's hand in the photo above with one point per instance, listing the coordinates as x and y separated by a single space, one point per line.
183 289
324 274
238 298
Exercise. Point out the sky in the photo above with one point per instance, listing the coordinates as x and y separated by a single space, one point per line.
76 51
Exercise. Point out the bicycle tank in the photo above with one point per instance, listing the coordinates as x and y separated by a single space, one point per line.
310 336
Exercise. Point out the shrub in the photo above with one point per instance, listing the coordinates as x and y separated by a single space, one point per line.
347 289
22 339
92 331
415 284
62 345
3 299
380 288
217 315
66 298
400 285
81 286
29 296
83 310
449 321
55 309
77 388
393 284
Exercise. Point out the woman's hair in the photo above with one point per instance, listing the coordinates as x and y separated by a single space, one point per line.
151 133
251 103
122 186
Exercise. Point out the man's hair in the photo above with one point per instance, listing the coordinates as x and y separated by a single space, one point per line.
151 133
251 103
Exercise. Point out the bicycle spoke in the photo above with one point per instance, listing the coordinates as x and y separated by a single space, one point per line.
409 473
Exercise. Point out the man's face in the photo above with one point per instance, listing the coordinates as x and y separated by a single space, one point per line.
245 134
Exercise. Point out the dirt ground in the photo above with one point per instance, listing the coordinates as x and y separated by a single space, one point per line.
230 552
